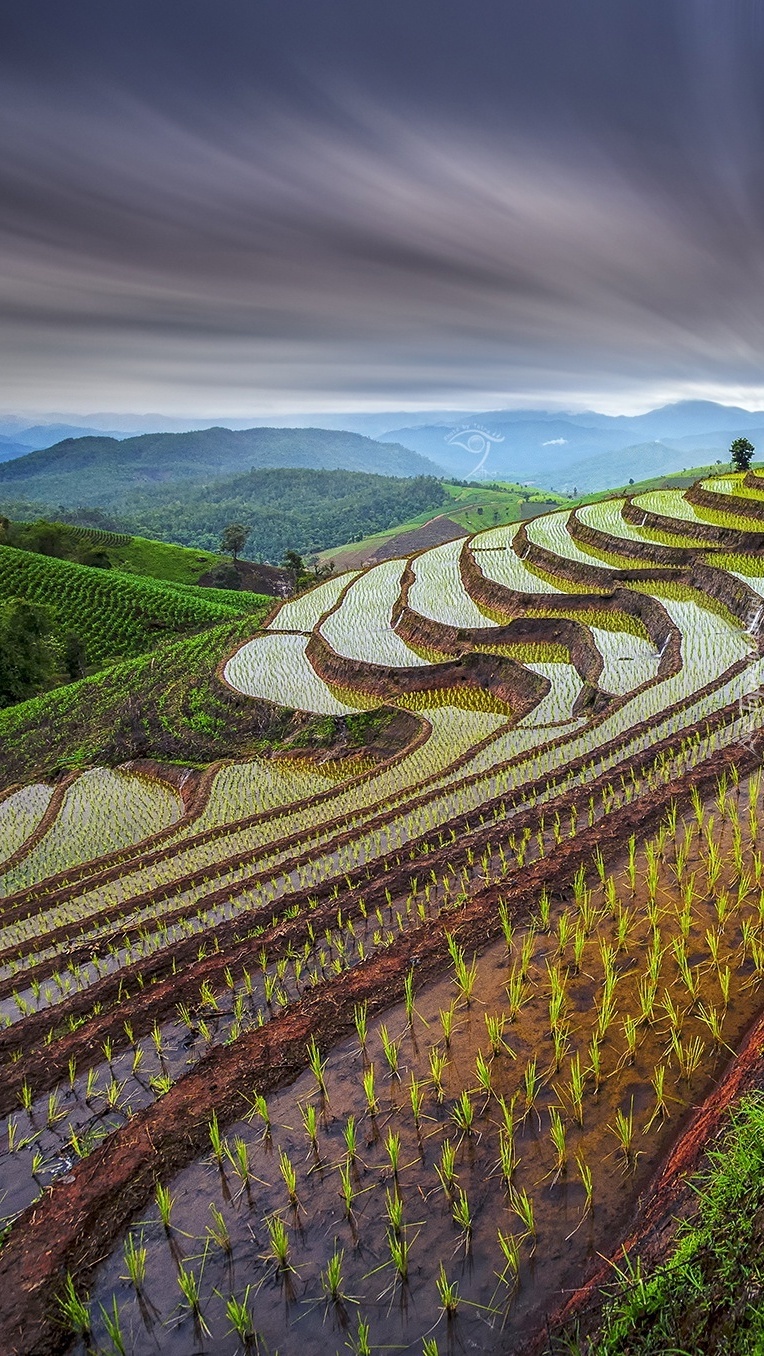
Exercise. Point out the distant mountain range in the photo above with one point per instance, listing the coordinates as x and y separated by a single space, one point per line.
44 435
586 452
80 464
104 471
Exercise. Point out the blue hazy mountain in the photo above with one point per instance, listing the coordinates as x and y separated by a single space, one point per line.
589 451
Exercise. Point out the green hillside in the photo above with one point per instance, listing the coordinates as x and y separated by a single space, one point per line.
288 509
164 706
104 471
114 616
117 550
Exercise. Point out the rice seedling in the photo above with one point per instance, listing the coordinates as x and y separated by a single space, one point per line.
75 1313
399 1249
518 993
391 1050
408 996
416 1099
309 1117
393 1151
660 1111
189 1285
688 1054
446 1167
289 1176
217 1140
446 1017
463 1113
448 1293
511 1255
360 1345
347 1190
580 937
361 1019
483 1074
112 1322
532 1085
647 993
623 1130
238 1155
630 1032
349 1136
558 1136
164 1203
367 1078
587 1181
462 1215
278 1243
218 1231
527 952
317 1067
331 1276
465 976
259 1108
135 1255
437 1062
521 1205
506 925
240 1317
495 1027
714 1020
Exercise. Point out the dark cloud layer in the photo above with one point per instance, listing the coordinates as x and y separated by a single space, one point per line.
231 207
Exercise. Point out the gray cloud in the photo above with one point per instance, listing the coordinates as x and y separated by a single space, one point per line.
554 202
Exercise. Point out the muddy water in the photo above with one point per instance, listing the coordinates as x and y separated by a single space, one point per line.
291 1309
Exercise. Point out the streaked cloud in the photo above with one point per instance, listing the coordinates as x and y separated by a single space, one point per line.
351 226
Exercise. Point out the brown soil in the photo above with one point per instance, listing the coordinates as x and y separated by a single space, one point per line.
434 533
77 1222
251 578
732 538
737 505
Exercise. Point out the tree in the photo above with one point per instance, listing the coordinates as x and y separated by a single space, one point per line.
74 656
741 453
26 657
294 562
234 539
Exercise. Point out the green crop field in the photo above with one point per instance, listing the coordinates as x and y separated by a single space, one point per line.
115 616
362 966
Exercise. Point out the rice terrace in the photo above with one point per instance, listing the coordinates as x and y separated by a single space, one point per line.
407 1033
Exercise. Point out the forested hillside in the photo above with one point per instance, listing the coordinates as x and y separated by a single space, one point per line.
299 510
103 471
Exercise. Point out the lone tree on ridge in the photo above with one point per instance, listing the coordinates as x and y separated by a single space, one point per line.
234 539
741 454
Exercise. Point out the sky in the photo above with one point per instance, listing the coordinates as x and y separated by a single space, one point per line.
232 207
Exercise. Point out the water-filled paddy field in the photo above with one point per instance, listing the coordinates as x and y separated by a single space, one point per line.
386 1056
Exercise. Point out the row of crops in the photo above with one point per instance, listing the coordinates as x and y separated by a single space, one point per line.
113 614
568 983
